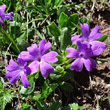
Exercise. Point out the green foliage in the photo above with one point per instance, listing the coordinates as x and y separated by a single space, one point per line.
75 106
65 38
48 88
54 29
5 95
29 90
27 107
83 20
67 86
103 38
63 20
54 106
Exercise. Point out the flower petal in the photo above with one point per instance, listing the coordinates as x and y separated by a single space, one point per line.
22 62
41 46
73 53
34 66
12 66
27 70
1 21
46 68
74 39
12 74
25 81
95 37
98 47
14 79
82 46
89 64
50 57
99 44
2 9
8 16
26 56
77 65
94 31
47 47
33 50
85 30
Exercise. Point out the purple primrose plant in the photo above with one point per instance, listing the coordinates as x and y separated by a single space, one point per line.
88 48
83 55
16 71
39 58
90 38
4 16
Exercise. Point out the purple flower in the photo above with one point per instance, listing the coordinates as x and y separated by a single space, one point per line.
83 55
40 58
5 16
90 37
16 71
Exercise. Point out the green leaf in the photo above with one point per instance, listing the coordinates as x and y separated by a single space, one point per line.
73 19
62 9
65 108
83 20
66 86
25 91
23 44
59 72
108 99
58 3
5 98
108 45
15 47
1 84
61 59
65 38
22 36
48 88
36 97
54 29
103 38
63 20
55 76
13 27
101 61
54 106
26 107
79 6
41 105
8 53
74 106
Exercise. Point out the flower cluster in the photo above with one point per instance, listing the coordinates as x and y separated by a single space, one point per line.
4 16
40 59
88 48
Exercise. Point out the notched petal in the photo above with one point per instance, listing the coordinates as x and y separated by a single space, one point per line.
73 53
50 57
25 81
46 68
77 65
74 39
12 66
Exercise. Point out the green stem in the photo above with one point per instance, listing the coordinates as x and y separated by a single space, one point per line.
13 90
